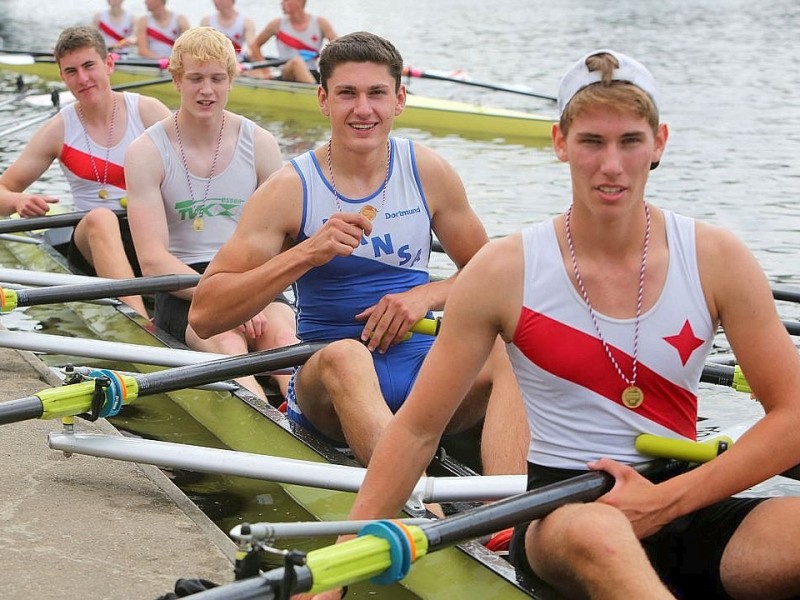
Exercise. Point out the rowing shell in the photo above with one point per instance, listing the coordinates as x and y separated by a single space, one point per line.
290 99
241 421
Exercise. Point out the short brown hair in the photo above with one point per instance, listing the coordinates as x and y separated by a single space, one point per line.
78 38
360 46
205 44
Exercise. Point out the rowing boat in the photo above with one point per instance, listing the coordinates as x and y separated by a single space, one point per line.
290 100
240 421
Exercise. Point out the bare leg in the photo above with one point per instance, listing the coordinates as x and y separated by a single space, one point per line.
495 394
98 239
762 559
228 342
281 331
338 391
296 70
591 551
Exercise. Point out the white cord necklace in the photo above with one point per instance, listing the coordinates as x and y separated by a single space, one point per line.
367 210
198 208
102 193
632 396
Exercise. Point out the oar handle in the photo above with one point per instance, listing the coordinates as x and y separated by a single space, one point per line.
659 446
67 219
731 376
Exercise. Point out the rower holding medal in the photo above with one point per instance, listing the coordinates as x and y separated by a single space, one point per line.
188 178
350 223
88 138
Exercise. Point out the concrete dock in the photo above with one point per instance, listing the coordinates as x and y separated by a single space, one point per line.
85 527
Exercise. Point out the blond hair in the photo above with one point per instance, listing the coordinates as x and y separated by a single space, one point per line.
204 44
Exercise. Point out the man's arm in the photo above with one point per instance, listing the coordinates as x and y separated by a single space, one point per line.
257 263
458 229
142 46
325 26
144 172
483 303
37 156
771 364
269 31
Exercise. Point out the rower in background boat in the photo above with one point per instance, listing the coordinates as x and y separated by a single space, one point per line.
117 26
610 310
349 224
89 139
299 36
157 31
238 28
188 177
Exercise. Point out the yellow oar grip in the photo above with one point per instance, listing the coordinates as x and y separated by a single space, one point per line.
8 300
739 382
695 452
76 398
427 326
356 560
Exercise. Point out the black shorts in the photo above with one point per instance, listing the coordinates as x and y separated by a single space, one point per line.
172 313
79 262
686 553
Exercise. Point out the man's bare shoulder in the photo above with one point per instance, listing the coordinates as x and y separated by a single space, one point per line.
152 110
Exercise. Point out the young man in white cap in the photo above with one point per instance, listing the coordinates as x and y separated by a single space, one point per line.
609 311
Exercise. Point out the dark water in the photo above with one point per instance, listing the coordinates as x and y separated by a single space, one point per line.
728 77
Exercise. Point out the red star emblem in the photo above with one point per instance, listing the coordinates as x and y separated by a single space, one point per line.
685 342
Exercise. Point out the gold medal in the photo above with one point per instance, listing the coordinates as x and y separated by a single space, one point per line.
197 224
369 211
102 194
632 396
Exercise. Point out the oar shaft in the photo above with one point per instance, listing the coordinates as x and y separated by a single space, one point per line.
95 291
787 294
227 368
20 409
48 221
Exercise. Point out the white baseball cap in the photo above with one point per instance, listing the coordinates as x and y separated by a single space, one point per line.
579 76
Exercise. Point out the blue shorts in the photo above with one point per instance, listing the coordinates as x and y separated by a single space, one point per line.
397 370
686 553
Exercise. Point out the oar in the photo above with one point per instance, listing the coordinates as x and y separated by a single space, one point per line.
124 352
75 399
514 89
385 551
11 299
67 219
42 278
219 461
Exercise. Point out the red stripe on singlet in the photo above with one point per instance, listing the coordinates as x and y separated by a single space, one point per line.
110 32
293 42
159 37
80 163
581 359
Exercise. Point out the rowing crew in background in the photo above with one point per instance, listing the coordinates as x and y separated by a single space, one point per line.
157 31
238 28
299 36
117 26
188 178
89 139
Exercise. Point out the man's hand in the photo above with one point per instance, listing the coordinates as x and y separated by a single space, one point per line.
339 236
635 496
389 321
255 327
33 205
